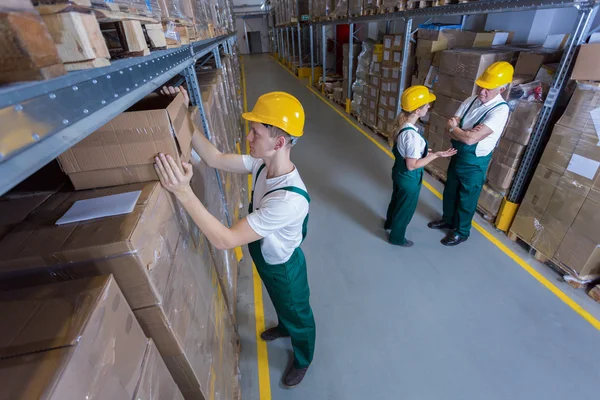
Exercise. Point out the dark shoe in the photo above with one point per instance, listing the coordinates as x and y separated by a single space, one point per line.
439 225
453 239
293 377
272 334
408 243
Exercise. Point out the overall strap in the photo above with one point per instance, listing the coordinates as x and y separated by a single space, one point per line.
258 173
462 118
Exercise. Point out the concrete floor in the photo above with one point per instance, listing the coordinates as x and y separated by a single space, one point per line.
428 322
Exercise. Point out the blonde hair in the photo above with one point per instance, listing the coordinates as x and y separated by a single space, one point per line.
399 122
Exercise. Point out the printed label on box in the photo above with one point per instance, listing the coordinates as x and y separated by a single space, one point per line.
583 166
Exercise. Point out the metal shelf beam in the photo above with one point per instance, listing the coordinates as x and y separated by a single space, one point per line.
40 120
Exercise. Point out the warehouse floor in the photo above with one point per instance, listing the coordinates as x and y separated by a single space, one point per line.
428 322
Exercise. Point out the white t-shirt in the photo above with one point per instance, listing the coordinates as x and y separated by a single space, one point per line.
410 143
277 217
495 120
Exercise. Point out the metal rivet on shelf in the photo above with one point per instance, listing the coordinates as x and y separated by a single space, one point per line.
116 95
52 95
127 89
65 121
136 85
35 136
94 81
85 111
75 88
131 69
107 76
121 72
18 107
103 102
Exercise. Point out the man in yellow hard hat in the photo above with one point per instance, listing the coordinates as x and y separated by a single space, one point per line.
474 132
277 220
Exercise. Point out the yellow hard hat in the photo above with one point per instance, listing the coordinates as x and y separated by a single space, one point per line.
279 109
415 97
498 74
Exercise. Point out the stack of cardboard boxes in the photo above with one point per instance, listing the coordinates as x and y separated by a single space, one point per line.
180 288
78 339
385 99
355 53
559 213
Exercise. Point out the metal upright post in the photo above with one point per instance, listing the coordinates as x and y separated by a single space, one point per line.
312 58
324 56
404 69
350 65
388 26
299 46
217 57
335 46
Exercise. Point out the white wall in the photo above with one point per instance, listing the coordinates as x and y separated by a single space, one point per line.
258 24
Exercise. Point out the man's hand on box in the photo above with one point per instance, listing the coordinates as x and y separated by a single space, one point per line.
173 91
176 179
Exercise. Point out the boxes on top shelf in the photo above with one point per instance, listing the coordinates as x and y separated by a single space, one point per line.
588 60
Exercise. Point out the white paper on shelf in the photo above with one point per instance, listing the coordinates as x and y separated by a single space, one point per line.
106 206
583 166
500 38
594 38
555 41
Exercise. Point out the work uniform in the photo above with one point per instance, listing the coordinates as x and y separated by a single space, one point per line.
407 184
468 168
279 213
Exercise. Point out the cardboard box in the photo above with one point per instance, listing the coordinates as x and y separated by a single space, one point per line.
584 165
587 221
490 200
437 59
446 106
521 121
387 58
155 381
123 150
541 189
586 66
137 248
580 112
425 48
526 222
377 57
463 88
373 105
386 113
390 73
388 40
370 91
374 80
69 340
372 117
375 68
530 61
393 42
473 63
389 86
559 149
580 255
378 48
444 85
16 208
500 176
556 41
396 59
508 153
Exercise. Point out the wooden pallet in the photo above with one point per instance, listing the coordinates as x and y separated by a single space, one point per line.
594 293
485 214
370 11
439 3
413 4
386 10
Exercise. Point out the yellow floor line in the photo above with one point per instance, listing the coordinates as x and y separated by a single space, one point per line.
262 356
531 270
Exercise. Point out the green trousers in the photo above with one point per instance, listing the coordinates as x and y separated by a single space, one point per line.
287 285
463 187
405 197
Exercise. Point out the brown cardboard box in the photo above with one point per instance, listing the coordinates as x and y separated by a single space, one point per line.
530 61
586 66
389 86
584 165
372 118
473 63
137 248
392 100
390 73
375 68
377 57
508 153
526 222
156 382
490 200
388 40
16 208
373 105
467 39
386 113
578 115
444 85
370 91
463 88
374 80
393 42
500 176
580 254
449 62
388 58
587 221
69 340
446 106
425 48
541 189
560 148
521 122
437 59
123 150
396 59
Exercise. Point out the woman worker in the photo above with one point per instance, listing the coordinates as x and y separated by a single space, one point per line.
412 154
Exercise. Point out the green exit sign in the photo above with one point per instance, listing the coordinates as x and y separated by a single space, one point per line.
305 18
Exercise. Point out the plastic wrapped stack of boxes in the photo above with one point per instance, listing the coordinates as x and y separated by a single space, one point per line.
364 61
370 89
180 288
322 9
291 11
391 61
356 48
559 215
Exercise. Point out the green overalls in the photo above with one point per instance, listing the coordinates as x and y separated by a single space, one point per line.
405 196
466 176
287 285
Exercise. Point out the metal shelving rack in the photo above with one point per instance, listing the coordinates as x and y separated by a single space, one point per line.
587 10
40 120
